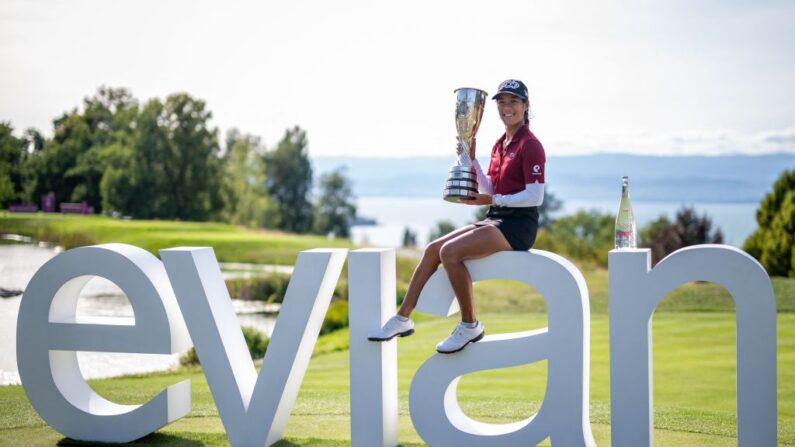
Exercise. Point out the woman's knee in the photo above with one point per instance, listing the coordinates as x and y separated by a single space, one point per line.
449 253
432 250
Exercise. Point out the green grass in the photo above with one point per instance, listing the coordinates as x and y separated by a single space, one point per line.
694 353
694 364
500 296
231 243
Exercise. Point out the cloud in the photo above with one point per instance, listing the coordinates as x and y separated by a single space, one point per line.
785 138
688 142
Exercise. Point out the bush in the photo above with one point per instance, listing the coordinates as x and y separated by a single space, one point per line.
664 237
336 317
586 236
256 341
270 288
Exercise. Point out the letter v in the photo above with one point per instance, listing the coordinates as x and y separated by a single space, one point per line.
254 409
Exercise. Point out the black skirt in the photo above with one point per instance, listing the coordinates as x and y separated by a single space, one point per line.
519 225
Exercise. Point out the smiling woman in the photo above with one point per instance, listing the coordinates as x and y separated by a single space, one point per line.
513 186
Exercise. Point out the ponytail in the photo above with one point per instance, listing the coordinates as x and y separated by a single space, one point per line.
527 112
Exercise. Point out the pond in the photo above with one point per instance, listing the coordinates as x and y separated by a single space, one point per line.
100 298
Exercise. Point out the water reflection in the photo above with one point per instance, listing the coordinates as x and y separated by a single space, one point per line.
100 298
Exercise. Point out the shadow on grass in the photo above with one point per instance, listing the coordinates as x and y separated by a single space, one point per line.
155 439
159 440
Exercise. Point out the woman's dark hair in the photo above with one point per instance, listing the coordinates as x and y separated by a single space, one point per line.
527 112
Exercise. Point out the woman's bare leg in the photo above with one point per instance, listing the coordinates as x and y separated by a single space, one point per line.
480 242
428 264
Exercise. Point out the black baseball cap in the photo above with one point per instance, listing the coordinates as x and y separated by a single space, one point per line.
514 87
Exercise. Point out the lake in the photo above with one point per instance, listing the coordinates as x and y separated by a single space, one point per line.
393 214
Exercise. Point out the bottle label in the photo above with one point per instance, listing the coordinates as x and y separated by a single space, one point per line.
624 239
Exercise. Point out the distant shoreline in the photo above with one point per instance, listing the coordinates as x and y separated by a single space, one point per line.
714 179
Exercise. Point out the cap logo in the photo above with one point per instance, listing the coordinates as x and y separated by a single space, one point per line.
510 84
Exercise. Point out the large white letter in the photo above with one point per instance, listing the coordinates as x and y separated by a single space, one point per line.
49 333
371 299
563 416
254 409
635 291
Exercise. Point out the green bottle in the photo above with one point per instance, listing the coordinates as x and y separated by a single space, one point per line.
625 220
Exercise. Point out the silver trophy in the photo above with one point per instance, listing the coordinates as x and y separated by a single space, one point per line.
462 181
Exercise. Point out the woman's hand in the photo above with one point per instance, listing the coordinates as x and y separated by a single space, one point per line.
460 147
480 199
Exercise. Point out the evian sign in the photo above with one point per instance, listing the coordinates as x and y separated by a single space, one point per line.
184 298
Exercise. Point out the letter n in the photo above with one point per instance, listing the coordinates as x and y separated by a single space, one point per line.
636 290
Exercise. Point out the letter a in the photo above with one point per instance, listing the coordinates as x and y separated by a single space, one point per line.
563 416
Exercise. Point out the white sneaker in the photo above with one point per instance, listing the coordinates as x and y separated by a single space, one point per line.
394 327
460 337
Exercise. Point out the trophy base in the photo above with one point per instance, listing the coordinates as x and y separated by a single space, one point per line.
461 185
459 199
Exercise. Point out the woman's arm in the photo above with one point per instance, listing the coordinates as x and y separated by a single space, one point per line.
484 182
533 195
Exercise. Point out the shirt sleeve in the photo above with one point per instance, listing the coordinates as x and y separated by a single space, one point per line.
484 182
532 195
534 162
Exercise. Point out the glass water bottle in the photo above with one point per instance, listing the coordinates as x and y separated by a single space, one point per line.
625 220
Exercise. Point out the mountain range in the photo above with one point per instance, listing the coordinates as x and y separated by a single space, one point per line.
729 178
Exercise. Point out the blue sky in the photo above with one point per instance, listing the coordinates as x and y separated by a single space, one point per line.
376 77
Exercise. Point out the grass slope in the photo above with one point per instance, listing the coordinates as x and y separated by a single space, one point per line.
231 243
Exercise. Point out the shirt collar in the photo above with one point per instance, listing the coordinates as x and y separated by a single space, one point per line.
520 134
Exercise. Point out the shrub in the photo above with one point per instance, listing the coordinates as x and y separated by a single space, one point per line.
336 317
664 237
586 236
256 341
270 288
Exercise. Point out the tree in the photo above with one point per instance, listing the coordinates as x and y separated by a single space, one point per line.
190 164
689 228
175 171
72 163
245 196
72 137
156 161
289 181
773 242
409 238
110 117
335 209
550 205
443 227
117 186
12 156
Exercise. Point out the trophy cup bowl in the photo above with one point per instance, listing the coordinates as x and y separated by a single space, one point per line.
462 180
